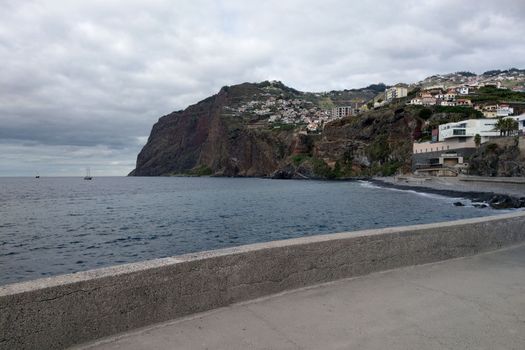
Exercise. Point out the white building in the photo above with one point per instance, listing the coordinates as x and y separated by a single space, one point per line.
378 104
463 90
504 111
312 127
456 136
447 103
395 92
466 130
342 111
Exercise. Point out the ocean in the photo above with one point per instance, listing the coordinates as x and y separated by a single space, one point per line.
51 226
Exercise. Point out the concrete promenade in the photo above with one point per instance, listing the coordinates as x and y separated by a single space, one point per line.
476 302
512 186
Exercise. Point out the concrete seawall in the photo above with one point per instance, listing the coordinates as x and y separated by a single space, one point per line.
58 312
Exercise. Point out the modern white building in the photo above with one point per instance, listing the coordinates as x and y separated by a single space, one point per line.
395 92
466 130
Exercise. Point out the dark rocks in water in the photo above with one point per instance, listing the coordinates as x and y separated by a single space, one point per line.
501 201
459 204
286 172
480 205
302 172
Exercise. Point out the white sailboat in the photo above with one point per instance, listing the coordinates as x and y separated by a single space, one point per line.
88 175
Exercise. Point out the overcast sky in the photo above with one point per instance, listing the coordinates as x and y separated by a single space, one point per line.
82 82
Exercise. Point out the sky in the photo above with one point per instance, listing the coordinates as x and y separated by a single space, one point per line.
83 82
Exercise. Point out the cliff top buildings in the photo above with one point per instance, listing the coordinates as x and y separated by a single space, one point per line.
397 91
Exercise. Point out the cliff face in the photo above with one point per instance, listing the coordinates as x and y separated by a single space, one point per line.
376 143
206 139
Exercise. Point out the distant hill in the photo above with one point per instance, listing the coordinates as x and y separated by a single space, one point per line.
508 78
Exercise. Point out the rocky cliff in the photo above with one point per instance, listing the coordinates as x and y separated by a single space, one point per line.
205 139
503 157
222 136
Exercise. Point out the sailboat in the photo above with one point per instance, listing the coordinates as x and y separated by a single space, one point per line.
88 175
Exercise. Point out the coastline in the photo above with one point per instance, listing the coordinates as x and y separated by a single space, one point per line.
496 194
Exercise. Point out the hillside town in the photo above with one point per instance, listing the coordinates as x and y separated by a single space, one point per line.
281 110
442 147
452 143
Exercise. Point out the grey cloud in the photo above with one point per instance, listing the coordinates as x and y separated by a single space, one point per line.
95 75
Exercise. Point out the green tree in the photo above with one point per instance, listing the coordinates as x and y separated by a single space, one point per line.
500 126
506 126
477 140
512 126
425 113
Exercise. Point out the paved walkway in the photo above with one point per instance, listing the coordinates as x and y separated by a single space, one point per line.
470 303
510 186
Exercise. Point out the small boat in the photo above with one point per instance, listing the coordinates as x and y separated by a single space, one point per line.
88 175
37 177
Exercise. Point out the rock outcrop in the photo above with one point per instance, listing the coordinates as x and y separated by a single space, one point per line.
503 157
203 139
376 143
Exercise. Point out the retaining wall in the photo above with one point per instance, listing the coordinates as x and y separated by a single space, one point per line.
57 312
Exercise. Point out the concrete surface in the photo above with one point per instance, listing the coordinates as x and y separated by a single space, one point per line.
509 186
467 303
57 312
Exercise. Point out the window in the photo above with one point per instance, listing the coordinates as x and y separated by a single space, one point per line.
459 132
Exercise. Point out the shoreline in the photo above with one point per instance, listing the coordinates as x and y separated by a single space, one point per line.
496 195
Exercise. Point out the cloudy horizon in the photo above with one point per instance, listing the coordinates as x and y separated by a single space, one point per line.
83 82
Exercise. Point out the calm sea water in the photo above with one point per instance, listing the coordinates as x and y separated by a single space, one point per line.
51 226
